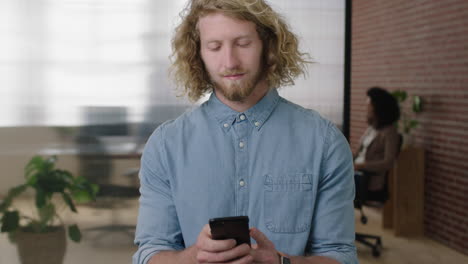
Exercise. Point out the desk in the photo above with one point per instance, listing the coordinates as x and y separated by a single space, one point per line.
107 155
120 150
101 163
404 211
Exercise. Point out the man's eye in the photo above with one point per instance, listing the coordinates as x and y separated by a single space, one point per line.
214 49
243 44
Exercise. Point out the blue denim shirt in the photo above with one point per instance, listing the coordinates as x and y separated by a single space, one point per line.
284 166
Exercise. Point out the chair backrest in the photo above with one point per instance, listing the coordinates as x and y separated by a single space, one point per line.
386 192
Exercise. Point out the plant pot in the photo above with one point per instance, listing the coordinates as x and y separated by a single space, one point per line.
408 140
42 248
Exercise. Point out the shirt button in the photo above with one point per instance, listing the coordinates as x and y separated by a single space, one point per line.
241 144
242 117
225 125
241 183
257 124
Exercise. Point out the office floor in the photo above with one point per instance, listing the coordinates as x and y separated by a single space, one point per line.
402 250
101 246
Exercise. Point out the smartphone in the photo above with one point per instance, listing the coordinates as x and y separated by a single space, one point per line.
235 227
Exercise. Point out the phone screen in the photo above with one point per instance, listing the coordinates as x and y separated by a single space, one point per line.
236 227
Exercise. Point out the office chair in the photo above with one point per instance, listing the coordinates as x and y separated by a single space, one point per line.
364 197
372 241
96 164
114 197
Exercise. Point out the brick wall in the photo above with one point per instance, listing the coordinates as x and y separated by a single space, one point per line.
421 46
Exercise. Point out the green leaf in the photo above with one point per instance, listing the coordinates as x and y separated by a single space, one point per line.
68 200
33 165
32 180
48 164
40 198
52 182
400 95
12 194
17 190
417 104
413 124
5 205
10 221
65 175
95 189
74 233
39 164
82 196
83 191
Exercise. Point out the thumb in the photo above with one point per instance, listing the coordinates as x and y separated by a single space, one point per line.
262 240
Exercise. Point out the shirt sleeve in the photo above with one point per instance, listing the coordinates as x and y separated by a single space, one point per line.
158 227
332 233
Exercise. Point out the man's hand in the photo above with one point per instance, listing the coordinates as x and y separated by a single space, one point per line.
264 251
220 251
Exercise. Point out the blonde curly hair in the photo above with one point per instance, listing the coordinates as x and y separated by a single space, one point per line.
281 55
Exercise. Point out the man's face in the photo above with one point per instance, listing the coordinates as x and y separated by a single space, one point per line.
231 51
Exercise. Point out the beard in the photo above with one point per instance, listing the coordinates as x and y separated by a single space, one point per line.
237 90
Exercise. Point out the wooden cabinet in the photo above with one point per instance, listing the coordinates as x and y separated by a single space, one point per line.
404 211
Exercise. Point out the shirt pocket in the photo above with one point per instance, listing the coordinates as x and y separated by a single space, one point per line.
288 202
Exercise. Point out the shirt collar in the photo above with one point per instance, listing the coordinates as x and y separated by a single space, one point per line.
257 115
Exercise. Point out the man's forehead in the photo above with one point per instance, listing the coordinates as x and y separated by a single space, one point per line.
220 25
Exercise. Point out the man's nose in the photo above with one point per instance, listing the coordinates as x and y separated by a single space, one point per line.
231 59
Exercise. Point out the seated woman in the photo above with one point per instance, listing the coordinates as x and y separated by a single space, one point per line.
380 143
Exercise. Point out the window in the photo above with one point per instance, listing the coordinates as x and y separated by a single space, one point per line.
61 58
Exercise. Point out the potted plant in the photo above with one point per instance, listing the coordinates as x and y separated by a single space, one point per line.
407 123
44 230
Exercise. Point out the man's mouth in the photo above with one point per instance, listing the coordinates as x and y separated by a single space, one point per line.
236 76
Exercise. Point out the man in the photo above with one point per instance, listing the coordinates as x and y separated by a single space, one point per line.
246 151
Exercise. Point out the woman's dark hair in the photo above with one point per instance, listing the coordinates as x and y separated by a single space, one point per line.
386 108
